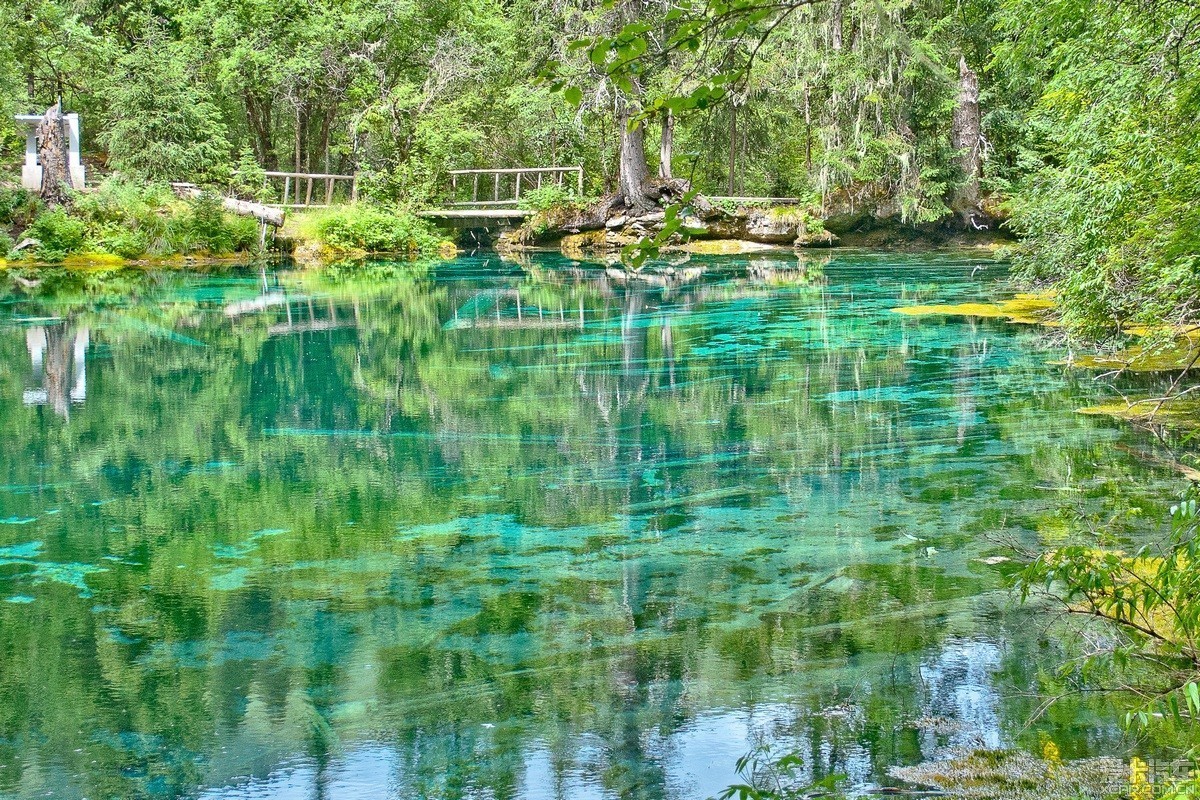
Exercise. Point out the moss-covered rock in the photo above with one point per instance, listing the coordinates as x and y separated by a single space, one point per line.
1017 775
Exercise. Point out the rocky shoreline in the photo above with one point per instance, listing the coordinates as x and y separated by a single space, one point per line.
706 227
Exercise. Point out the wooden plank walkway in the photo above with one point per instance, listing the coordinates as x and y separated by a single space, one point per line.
475 213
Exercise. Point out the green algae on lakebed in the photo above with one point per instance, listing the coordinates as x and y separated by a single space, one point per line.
392 528
1028 308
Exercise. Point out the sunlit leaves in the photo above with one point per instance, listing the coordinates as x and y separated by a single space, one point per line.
1151 597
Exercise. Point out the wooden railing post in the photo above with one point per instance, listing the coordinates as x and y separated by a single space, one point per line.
311 180
524 178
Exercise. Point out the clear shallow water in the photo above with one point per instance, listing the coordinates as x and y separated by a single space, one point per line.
482 529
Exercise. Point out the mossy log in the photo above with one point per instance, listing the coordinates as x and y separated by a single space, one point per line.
244 208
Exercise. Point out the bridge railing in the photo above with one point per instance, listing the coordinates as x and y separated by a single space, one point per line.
755 201
503 187
296 189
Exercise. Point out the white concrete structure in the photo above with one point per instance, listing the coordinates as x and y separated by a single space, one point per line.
31 172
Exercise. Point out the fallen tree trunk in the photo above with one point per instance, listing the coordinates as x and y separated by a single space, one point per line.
244 208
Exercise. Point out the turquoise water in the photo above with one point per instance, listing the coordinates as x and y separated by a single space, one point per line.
488 529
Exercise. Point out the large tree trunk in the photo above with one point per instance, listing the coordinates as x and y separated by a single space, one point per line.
53 154
299 138
837 20
666 145
968 141
632 170
731 189
258 116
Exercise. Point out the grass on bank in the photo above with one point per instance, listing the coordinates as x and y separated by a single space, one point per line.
360 229
122 221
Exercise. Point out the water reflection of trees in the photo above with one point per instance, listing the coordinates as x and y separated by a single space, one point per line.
58 367
395 529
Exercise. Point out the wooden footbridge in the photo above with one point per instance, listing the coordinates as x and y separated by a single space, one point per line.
489 195
483 199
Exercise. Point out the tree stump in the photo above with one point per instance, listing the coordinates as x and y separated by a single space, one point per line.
53 155
967 138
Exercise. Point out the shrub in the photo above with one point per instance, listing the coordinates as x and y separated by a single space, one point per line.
17 206
210 230
130 220
548 197
125 243
59 235
374 230
126 219
6 244
553 205
248 179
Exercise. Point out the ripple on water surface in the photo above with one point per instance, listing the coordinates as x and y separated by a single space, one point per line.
448 530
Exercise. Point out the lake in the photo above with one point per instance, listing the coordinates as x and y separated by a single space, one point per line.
531 530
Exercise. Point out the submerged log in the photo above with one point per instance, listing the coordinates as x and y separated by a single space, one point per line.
244 208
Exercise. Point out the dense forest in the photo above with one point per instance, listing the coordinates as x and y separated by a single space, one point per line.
553 497
1072 125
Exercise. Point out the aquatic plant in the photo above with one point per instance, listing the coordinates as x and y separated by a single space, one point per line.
1150 600
977 774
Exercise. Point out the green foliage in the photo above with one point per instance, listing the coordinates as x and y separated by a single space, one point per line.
248 179
553 205
1111 206
164 126
550 197
768 776
134 220
127 219
17 206
58 234
208 229
1151 599
373 230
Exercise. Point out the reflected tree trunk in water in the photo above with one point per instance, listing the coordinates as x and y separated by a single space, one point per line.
58 355
668 346
634 377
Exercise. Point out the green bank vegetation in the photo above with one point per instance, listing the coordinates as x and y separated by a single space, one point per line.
121 220
1074 127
